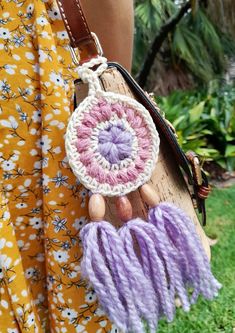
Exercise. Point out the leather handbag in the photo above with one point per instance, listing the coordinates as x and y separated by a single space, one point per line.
150 241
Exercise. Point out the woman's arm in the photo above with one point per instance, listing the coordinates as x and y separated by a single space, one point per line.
113 22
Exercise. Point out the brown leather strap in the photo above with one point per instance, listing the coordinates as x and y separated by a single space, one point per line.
77 28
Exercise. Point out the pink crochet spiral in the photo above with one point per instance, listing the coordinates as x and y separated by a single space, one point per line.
114 145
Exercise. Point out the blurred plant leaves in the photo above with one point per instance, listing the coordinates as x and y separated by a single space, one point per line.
204 121
196 112
196 44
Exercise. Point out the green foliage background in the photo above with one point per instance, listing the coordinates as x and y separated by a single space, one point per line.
204 121
204 117
196 44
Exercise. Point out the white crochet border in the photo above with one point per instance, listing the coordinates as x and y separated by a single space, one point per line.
73 155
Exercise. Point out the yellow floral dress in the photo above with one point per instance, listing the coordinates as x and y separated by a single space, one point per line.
42 205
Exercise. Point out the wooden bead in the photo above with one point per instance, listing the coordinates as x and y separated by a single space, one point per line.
96 207
149 195
124 208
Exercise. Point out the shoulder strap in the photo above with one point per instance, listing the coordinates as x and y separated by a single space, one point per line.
78 29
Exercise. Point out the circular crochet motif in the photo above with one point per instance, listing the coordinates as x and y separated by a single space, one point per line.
112 144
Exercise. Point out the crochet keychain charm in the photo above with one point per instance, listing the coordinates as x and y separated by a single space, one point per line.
112 143
136 271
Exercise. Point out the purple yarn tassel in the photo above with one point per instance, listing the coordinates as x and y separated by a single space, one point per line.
138 270
180 245
120 286
137 232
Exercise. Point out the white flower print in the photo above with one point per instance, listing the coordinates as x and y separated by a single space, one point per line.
45 162
59 179
61 256
99 312
29 272
10 69
54 14
36 222
62 35
42 56
18 41
15 298
6 216
45 180
90 296
36 68
10 122
5 87
16 57
37 165
79 223
103 323
86 321
57 150
5 33
23 246
45 34
75 272
40 299
71 314
33 152
15 157
31 319
5 261
20 243
21 205
114 329
4 243
50 282
42 21
44 143
30 8
37 116
8 165
80 329
23 71
59 224
57 79
83 193
40 256
30 55
12 330
66 245
60 298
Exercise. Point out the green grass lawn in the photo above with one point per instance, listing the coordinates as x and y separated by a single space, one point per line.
219 315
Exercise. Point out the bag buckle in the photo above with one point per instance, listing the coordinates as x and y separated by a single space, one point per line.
88 49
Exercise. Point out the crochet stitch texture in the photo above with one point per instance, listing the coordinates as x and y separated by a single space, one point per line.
111 141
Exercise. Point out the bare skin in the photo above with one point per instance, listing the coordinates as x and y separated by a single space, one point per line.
113 23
